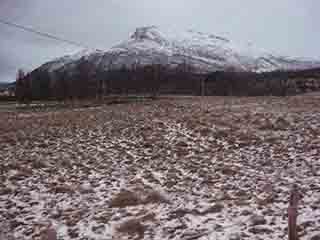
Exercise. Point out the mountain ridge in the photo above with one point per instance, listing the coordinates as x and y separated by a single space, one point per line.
204 52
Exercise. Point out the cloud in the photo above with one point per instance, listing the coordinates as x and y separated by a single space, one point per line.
288 27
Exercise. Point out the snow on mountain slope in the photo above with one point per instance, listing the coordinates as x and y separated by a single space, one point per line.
205 52
65 60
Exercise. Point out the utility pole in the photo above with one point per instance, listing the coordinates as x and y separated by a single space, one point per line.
202 82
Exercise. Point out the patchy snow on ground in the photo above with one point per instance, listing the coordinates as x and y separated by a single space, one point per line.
178 168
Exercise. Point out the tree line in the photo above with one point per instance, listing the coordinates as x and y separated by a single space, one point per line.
277 83
88 81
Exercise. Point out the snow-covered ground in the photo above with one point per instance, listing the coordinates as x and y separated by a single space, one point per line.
180 168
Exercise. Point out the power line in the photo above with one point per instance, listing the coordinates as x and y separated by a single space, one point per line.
43 34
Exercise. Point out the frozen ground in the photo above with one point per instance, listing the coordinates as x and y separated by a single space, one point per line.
180 168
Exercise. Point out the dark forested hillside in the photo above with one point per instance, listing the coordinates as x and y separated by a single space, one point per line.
88 81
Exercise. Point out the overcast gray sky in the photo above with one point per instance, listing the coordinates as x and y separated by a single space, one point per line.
287 27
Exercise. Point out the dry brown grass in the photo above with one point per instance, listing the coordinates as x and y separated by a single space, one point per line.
155 197
124 199
132 227
197 151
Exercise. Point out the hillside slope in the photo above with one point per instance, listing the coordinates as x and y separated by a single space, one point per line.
205 52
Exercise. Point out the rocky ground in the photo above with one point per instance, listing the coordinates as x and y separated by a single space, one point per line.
180 168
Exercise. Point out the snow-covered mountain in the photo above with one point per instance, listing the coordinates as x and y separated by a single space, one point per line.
205 52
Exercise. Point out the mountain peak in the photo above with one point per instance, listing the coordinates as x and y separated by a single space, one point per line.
150 33
162 35
204 52
147 32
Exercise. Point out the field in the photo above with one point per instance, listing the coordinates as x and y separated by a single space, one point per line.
173 168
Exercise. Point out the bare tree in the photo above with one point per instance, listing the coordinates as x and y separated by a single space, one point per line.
19 85
23 87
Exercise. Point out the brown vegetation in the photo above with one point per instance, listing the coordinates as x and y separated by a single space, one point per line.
175 168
